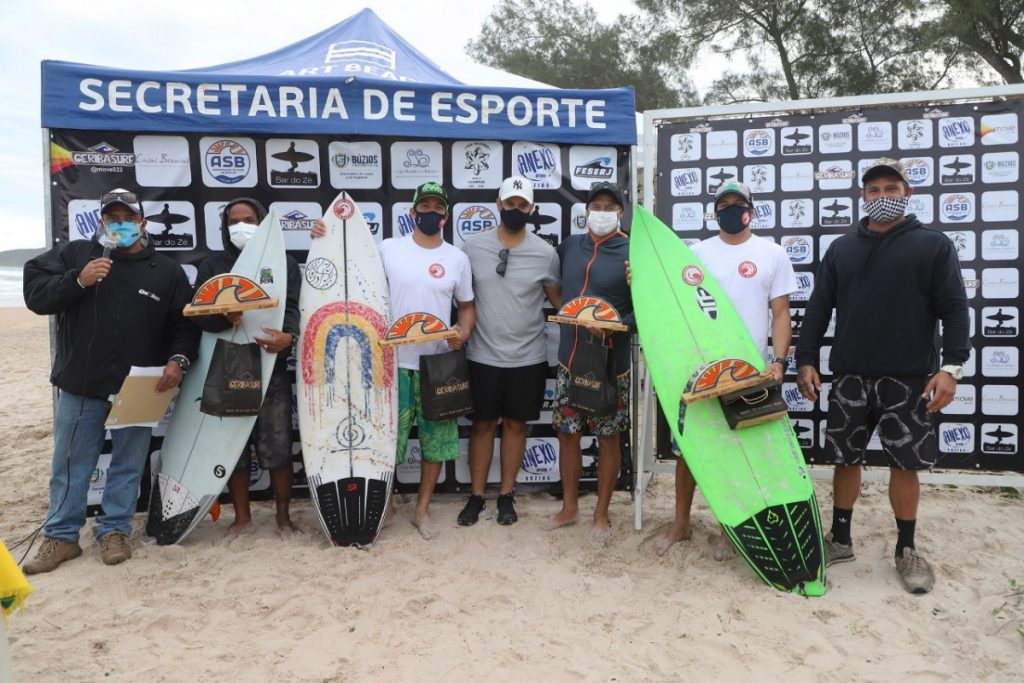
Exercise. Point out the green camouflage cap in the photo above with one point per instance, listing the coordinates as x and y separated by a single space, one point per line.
431 189
885 167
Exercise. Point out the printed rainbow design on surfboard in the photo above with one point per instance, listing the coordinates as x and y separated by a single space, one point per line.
331 324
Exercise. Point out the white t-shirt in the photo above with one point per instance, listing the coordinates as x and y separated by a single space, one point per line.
752 274
424 280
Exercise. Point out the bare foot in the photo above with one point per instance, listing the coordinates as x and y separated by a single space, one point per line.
239 527
601 532
286 528
425 526
560 520
723 549
674 535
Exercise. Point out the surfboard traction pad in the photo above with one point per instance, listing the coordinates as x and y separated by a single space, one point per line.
780 542
351 509
169 528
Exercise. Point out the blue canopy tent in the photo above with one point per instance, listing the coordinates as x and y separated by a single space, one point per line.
349 95
358 77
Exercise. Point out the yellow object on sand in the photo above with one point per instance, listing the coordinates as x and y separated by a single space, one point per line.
14 588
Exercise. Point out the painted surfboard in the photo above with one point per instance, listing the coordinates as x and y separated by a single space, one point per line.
347 383
754 479
200 451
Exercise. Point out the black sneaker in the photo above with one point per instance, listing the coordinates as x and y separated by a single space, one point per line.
507 509
470 514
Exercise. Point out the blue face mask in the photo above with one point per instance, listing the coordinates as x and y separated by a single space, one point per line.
125 232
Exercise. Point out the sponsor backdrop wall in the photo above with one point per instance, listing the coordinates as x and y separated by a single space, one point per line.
185 179
804 170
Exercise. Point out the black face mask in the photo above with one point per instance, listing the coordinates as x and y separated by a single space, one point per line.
514 219
430 223
734 219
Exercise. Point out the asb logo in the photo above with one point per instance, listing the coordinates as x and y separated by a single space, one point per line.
747 269
758 142
227 162
918 170
956 132
956 207
475 219
799 248
999 438
956 437
436 271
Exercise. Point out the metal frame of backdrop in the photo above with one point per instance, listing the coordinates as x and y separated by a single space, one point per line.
976 204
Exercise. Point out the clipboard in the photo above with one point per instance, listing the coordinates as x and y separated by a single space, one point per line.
138 404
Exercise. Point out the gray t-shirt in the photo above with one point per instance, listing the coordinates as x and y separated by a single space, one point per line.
509 328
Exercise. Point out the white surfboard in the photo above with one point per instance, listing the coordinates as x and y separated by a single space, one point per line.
347 383
200 451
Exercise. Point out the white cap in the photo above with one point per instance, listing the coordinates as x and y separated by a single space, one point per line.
516 186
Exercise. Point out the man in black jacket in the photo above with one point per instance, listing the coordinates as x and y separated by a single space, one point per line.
889 283
112 313
272 436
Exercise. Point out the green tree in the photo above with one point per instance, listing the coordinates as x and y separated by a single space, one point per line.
990 31
562 42
798 49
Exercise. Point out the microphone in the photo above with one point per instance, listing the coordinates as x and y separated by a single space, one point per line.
108 242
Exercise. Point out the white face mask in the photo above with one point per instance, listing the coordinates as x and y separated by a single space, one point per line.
602 223
241 233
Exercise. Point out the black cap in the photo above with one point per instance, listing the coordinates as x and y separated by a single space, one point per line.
605 187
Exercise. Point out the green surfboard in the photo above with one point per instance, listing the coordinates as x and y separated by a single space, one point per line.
754 479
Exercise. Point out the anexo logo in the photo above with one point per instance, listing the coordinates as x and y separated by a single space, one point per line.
536 164
436 271
475 219
540 458
227 161
956 132
693 275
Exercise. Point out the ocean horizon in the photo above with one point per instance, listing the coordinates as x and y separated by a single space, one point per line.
11 288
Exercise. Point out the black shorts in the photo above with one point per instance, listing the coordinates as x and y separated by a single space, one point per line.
272 436
515 393
857 405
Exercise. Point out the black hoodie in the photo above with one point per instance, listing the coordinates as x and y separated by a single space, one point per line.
132 317
223 262
889 290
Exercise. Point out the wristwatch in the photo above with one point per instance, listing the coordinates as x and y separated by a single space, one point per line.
955 371
182 361
780 360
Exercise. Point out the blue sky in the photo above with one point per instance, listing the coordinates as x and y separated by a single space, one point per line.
161 35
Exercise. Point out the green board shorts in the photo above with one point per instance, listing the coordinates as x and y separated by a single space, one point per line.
567 420
439 441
